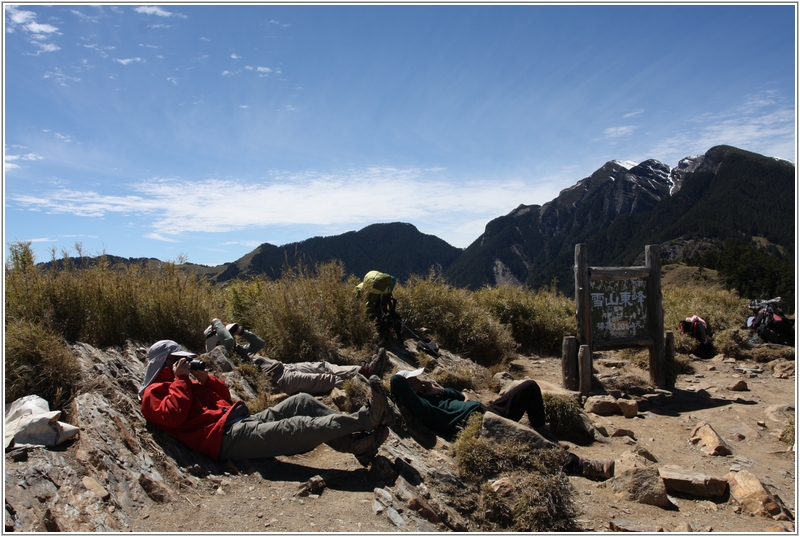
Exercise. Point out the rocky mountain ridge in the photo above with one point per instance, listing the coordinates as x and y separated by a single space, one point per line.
617 210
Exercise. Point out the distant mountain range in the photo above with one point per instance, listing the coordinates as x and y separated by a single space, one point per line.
726 196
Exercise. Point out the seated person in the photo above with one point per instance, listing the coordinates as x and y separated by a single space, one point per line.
445 411
315 378
200 413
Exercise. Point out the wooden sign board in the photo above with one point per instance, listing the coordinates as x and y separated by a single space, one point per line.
619 309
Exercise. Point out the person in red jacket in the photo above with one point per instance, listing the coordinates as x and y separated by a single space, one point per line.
200 413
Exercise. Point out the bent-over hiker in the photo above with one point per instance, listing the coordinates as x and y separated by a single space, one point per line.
200 413
445 410
219 333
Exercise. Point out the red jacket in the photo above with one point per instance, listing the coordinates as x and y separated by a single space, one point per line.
193 413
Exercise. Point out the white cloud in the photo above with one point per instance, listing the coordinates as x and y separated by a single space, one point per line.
37 32
352 199
127 61
156 10
17 16
229 73
633 113
60 77
616 132
37 28
159 237
235 57
763 124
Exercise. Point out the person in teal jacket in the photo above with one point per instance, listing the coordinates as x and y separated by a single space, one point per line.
446 410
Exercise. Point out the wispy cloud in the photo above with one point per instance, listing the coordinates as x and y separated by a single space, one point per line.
38 34
10 161
355 198
100 49
617 132
128 61
762 123
158 11
633 113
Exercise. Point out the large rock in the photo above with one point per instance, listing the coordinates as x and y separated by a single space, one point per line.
750 493
712 443
602 404
640 484
500 428
679 480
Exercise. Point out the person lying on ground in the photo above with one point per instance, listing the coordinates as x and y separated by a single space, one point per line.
446 410
315 378
196 408
219 333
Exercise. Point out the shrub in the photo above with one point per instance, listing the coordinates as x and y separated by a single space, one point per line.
38 362
302 316
543 495
538 320
103 305
561 412
721 309
459 323
787 433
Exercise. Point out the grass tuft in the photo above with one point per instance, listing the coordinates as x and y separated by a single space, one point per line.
38 362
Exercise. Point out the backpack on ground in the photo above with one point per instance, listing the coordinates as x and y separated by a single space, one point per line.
772 326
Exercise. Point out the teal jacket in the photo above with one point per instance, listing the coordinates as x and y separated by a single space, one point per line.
444 412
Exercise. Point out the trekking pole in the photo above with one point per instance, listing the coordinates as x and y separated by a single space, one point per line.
433 350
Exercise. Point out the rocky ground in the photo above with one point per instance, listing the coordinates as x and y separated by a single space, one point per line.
119 474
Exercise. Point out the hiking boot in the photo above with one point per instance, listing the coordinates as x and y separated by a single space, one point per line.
378 404
366 448
597 468
375 366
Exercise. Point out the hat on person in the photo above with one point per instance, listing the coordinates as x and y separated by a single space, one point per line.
410 374
157 357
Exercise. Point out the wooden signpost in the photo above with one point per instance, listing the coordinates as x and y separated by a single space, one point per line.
616 308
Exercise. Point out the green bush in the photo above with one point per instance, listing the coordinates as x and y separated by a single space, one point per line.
539 320
561 412
301 316
38 362
105 306
456 319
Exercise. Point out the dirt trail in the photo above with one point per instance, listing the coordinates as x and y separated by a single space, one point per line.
267 501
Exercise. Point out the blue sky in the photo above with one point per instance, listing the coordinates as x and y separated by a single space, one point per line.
202 131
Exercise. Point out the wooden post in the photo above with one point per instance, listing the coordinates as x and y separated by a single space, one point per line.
585 369
669 343
583 304
569 363
655 314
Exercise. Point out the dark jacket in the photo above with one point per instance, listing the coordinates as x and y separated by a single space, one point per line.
444 412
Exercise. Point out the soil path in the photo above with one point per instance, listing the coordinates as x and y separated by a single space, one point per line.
267 501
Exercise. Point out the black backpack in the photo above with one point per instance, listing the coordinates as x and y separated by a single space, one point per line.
773 326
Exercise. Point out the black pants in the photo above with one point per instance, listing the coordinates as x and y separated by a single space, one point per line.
525 397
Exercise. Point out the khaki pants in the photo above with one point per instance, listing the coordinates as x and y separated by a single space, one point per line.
315 378
296 425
